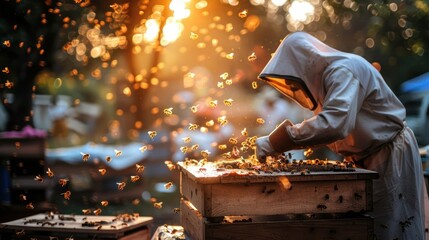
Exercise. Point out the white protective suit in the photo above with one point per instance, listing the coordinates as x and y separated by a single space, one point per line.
356 116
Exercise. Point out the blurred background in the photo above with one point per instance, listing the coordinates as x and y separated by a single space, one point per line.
91 91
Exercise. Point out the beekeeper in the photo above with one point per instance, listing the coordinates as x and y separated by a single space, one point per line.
357 116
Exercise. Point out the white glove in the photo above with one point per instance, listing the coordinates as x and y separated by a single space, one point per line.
264 148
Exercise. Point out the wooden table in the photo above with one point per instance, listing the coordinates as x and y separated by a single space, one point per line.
57 226
329 204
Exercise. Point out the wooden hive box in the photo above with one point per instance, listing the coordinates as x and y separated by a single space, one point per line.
330 197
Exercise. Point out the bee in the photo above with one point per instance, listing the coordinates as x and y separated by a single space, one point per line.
170 165
121 185
326 197
143 148
49 173
224 75
340 199
210 123
254 85
308 152
168 185
222 121
134 178
193 36
213 103
233 140
321 207
20 233
184 149
29 206
66 195
220 85
104 203
243 14
85 156
229 56
176 210
158 205
186 139
97 211
102 171
195 147
193 126
228 102
118 152
86 211
108 159
251 57
228 81
152 134
205 153
22 197
168 111
38 178
260 121
194 108
235 152
139 168
244 132
222 147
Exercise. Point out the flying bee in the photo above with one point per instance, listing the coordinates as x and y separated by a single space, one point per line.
222 147
104 203
220 85
38 178
22 197
118 152
194 108
184 149
222 120
49 173
86 211
229 56
152 134
251 57
205 153
66 195
176 210
158 205
134 178
29 206
186 139
139 168
195 147
235 152
63 181
168 111
143 148
228 81
254 85
213 103
233 140
260 121
97 211
170 165
210 123
308 152
193 126
227 155
224 75
244 132
108 159
168 185
121 185
85 156
243 14
228 102
193 36
102 171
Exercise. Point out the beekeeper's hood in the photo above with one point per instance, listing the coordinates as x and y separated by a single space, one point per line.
297 66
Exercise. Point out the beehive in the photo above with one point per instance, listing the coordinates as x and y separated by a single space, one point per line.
333 202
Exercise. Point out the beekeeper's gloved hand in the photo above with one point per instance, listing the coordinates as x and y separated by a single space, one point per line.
277 142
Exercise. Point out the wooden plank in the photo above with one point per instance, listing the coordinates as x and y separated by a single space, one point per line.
320 226
194 192
192 221
271 199
211 175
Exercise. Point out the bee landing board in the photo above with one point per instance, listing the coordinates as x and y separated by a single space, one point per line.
244 192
